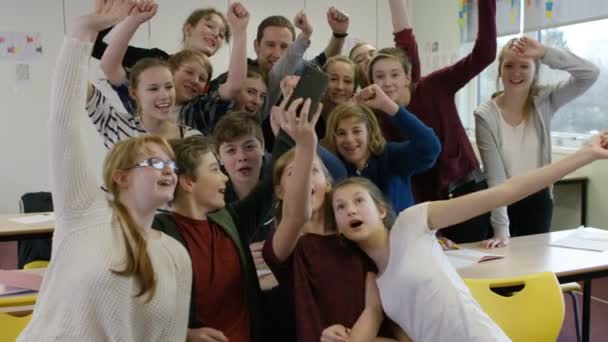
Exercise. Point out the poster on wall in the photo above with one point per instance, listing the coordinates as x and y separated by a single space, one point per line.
20 46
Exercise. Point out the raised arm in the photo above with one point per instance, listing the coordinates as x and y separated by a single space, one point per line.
297 206
238 19
457 75
291 61
582 72
338 22
73 184
133 54
403 36
111 61
442 214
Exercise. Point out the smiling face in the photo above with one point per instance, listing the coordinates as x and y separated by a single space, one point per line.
190 79
209 183
352 141
357 215
341 86
252 95
388 73
147 186
242 159
154 92
207 36
272 45
516 73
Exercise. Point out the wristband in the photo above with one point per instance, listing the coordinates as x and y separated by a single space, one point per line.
340 35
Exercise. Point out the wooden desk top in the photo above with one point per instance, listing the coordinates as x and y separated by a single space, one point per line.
10 228
532 254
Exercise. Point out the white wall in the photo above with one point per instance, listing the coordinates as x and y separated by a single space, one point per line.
23 137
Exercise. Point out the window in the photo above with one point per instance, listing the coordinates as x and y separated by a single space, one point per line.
589 111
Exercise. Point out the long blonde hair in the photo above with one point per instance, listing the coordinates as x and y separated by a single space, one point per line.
529 107
123 156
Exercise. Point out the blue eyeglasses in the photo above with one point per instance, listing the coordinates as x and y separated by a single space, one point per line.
157 163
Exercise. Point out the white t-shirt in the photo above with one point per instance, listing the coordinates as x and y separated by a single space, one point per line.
521 146
421 291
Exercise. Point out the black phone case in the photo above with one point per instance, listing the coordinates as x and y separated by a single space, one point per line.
312 84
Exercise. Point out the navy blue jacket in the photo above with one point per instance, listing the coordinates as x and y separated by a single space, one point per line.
392 170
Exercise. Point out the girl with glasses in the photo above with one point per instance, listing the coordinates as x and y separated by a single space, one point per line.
111 276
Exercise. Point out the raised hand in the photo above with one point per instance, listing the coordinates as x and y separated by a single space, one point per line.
237 16
301 21
297 123
529 47
338 21
598 145
107 14
374 97
144 11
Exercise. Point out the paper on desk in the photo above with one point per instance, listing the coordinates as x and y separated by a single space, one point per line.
34 219
463 257
592 239
19 278
11 291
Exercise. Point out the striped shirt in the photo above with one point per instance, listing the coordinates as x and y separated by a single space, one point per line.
204 111
114 126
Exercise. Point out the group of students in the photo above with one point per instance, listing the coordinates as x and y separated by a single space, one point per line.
345 210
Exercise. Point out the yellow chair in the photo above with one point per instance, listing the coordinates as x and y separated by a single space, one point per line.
534 313
24 300
36 264
11 326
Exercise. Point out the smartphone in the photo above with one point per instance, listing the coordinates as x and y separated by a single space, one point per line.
312 84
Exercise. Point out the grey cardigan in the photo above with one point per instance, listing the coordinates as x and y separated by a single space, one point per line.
546 102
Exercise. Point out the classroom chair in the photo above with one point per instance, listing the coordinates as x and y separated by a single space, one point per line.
34 249
36 264
571 289
11 326
10 301
533 313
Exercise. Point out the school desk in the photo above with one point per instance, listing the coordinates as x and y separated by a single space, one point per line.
533 254
32 282
11 231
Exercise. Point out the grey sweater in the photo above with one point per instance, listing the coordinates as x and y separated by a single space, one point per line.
546 102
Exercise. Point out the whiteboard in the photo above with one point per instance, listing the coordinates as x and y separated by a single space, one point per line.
541 14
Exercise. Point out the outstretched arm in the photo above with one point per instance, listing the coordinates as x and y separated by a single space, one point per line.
442 214
238 19
296 196
111 61
73 184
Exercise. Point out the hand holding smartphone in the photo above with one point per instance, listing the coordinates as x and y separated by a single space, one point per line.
312 84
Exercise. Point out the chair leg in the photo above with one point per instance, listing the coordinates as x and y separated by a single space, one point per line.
576 320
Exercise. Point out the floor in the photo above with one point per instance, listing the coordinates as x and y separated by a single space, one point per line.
599 313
